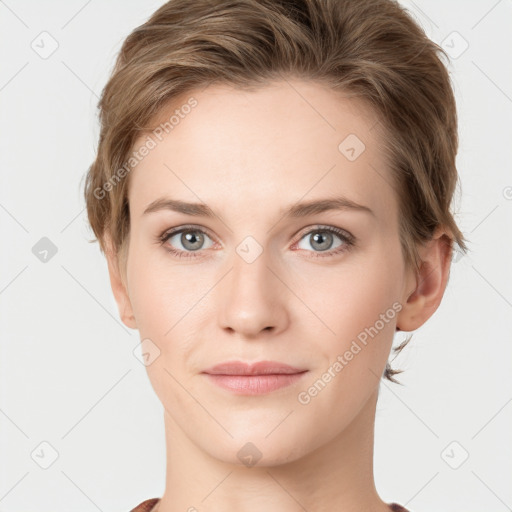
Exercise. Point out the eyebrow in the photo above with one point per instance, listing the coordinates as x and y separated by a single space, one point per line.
299 210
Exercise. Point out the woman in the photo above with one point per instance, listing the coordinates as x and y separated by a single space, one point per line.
272 192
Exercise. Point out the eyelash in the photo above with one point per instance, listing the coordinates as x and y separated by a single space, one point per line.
347 239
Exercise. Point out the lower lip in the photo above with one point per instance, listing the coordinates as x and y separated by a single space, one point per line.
254 384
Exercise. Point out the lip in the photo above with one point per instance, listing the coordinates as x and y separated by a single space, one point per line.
258 368
253 379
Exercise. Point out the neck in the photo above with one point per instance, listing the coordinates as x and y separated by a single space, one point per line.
336 476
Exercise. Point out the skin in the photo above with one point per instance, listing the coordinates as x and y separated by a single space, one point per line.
249 156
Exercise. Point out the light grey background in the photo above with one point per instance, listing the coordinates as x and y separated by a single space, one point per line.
68 375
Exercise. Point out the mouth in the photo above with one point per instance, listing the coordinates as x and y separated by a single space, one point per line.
253 379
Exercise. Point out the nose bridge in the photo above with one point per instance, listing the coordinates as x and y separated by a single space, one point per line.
252 298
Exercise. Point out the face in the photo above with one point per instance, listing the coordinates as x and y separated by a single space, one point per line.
260 278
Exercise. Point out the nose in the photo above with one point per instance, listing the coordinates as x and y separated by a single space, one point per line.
252 299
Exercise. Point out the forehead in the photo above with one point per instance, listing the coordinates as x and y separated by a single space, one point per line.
277 144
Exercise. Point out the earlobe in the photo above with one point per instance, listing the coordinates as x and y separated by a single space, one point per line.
118 285
422 302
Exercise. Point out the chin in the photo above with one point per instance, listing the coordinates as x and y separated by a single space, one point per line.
255 448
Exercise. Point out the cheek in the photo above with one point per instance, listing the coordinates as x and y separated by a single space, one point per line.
152 302
160 292
164 303
172 307
361 307
361 310
354 295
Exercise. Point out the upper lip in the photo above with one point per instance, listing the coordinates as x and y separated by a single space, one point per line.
258 368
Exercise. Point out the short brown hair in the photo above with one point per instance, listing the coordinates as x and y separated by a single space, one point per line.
372 49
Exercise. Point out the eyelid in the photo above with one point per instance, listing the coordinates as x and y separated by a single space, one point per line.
343 233
185 227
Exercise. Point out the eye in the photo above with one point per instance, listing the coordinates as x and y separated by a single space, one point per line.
188 240
185 241
323 240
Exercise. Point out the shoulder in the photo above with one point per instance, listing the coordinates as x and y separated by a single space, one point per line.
395 507
146 506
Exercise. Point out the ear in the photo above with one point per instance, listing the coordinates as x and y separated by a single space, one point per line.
429 284
118 284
